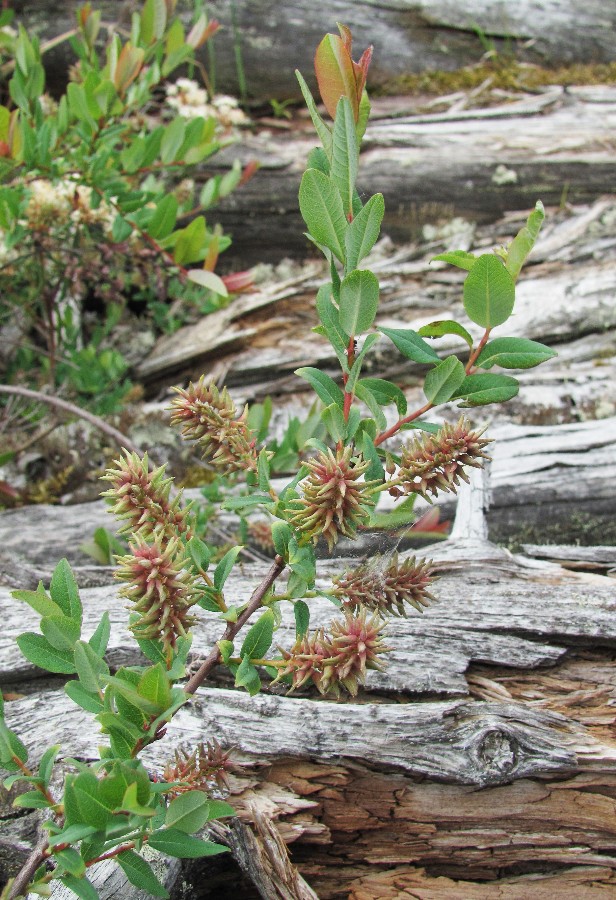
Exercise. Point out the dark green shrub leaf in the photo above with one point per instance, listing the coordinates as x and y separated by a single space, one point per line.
89 667
32 800
39 600
325 387
301 611
154 686
189 812
513 353
183 846
444 380
524 241
363 231
281 534
60 631
478 390
163 220
99 640
259 638
46 764
199 553
359 300
322 129
385 393
333 420
369 342
446 326
83 888
87 700
140 873
364 393
345 153
70 861
411 345
489 292
71 835
39 651
322 210
223 569
248 677
459 258
64 592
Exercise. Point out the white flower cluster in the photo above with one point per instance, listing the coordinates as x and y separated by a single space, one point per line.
56 204
191 100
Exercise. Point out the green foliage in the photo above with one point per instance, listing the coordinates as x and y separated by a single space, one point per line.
97 199
338 460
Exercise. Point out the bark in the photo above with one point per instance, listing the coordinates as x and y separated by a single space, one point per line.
275 38
507 685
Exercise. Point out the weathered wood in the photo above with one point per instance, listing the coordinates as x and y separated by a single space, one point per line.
408 35
477 164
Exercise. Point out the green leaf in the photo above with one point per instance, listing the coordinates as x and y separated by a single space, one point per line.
183 846
83 888
173 138
60 631
363 393
345 153
330 320
411 345
189 812
140 873
325 387
248 677
129 693
10 746
362 233
459 258
153 21
322 129
64 592
385 393
71 835
359 300
154 686
85 699
199 553
251 500
121 230
524 241
46 764
190 243
513 353
209 280
223 569
333 420
39 651
163 220
478 390
281 535
89 667
39 600
70 861
444 380
100 638
82 802
32 800
226 650
446 326
259 639
355 372
301 611
322 210
218 809
375 471
302 561
489 292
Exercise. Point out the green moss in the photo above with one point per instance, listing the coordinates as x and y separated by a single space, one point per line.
503 72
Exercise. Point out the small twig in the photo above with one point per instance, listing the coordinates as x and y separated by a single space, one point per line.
121 439
234 627
25 875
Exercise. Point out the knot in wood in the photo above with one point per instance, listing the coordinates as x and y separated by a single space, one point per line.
496 754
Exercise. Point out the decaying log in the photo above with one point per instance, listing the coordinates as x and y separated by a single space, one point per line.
478 164
515 672
408 35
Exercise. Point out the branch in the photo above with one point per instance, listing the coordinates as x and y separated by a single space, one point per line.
121 439
26 873
234 627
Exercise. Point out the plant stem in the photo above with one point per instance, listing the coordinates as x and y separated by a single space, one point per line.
398 425
475 353
233 628
121 439
26 873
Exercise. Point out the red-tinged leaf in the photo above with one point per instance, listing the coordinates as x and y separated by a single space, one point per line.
129 65
429 523
239 282
335 74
